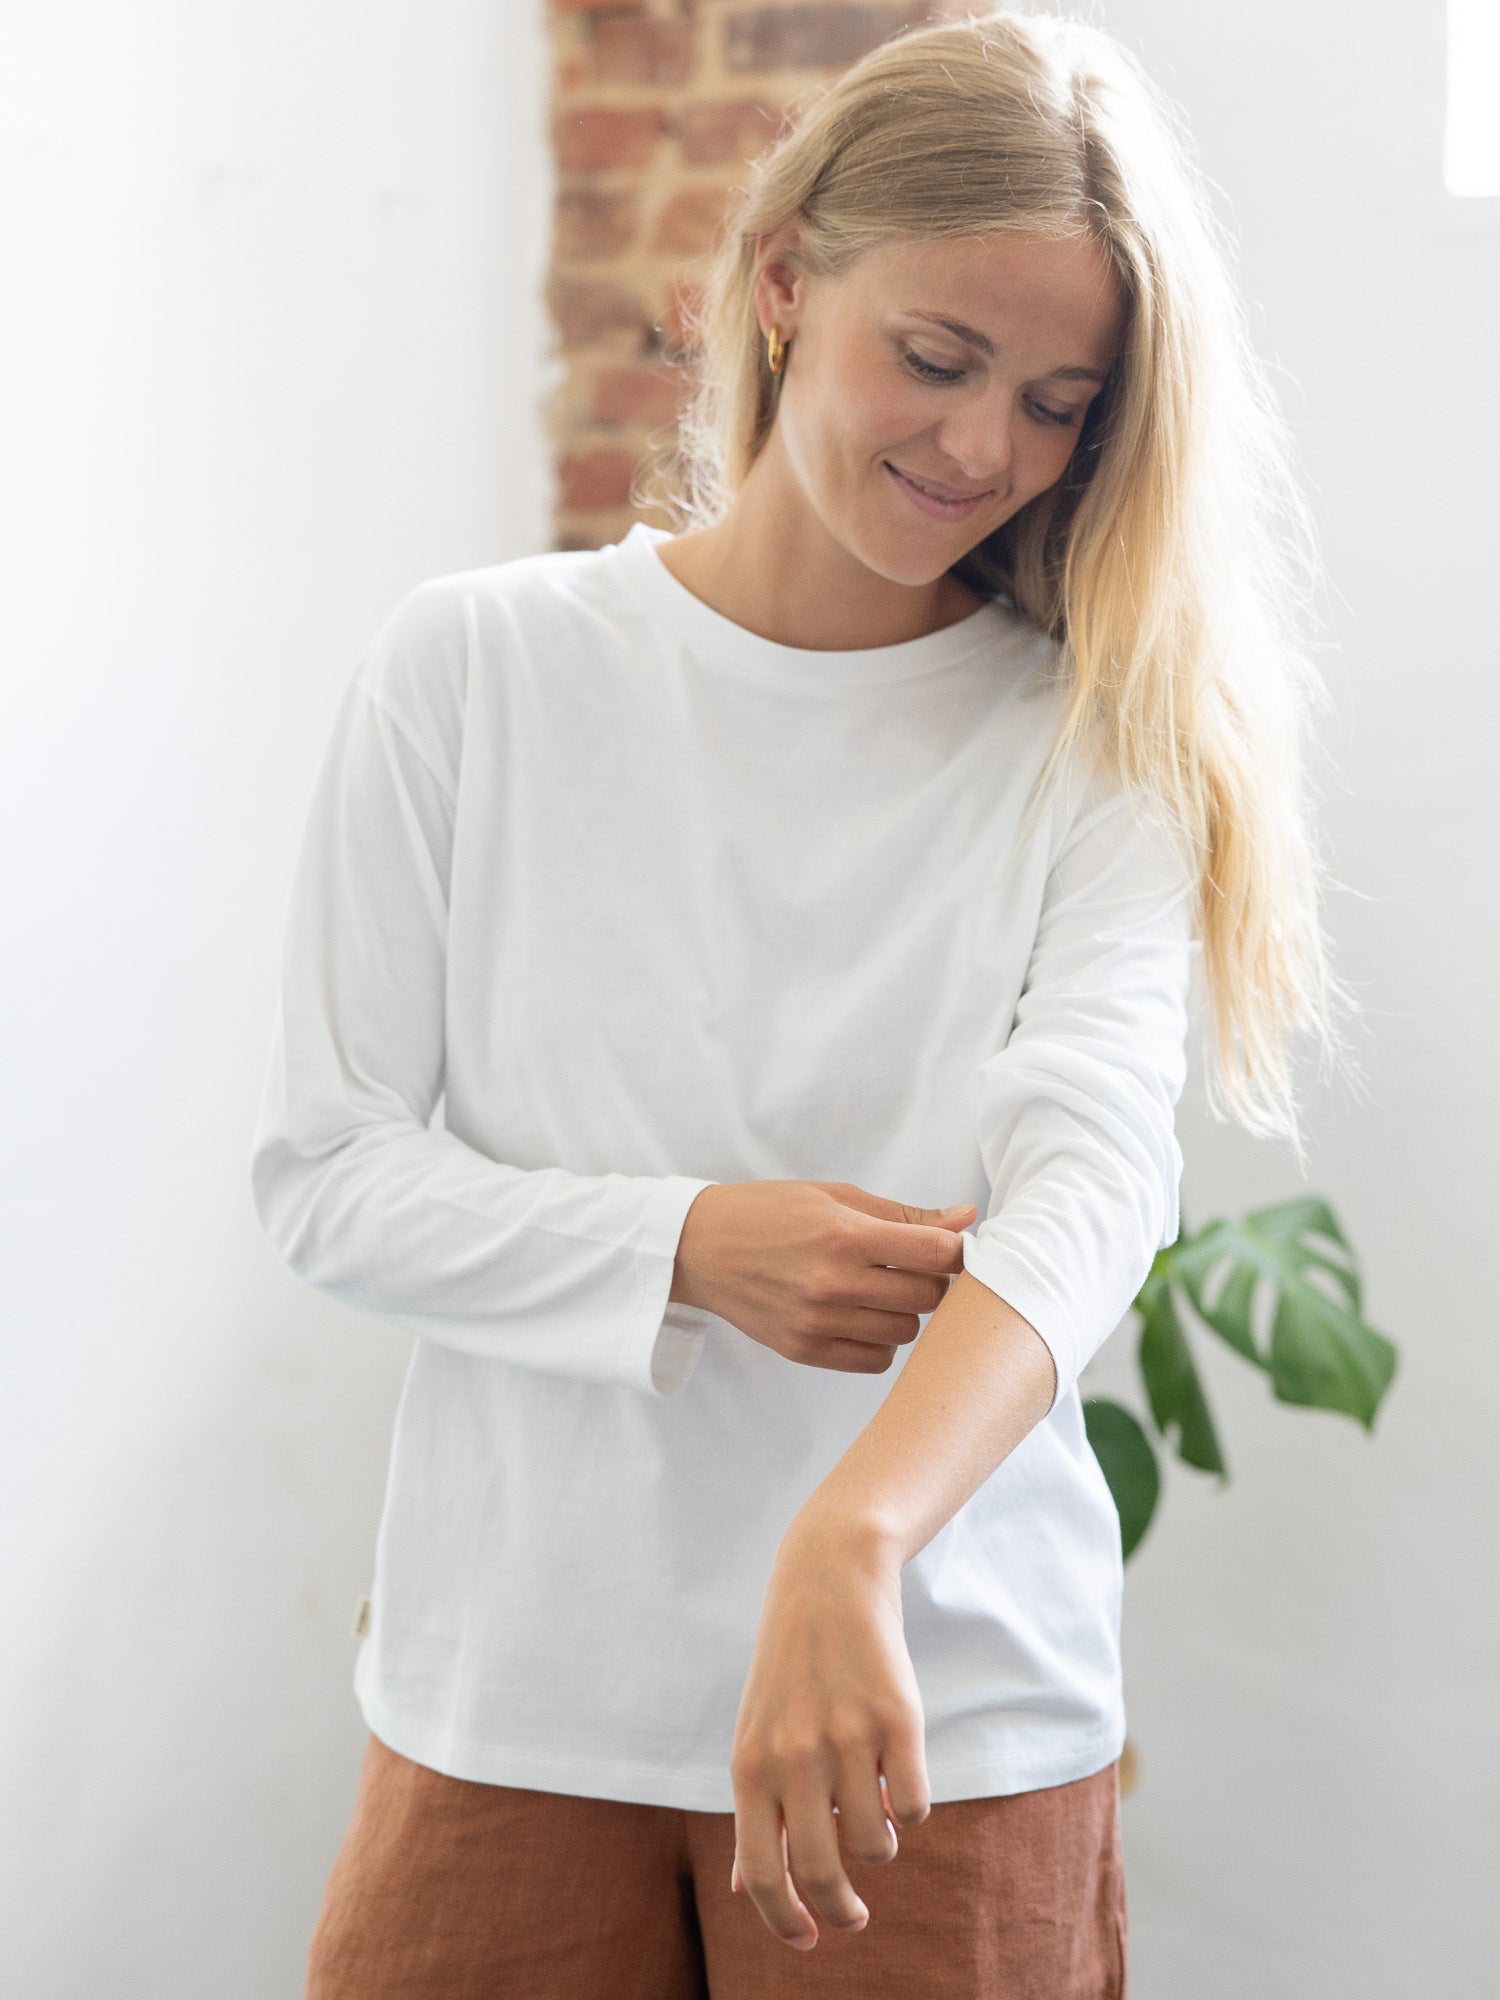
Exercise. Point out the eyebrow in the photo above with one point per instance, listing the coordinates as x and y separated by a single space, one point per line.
974 338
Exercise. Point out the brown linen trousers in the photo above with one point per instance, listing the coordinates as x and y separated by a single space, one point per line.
448 1890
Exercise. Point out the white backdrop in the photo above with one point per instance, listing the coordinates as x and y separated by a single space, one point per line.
274 298
1310 1653
272 285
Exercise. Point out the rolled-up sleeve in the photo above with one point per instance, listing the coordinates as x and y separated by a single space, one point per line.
356 1192
1076 1112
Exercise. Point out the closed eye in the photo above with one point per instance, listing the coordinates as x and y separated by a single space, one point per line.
929 371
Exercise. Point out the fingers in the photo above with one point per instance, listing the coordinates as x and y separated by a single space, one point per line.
814 1860
787 1855
843 1335
847 1357
915 1246
903 1291
861 1283
761 1863
866 1346
904 1774
886 1210
864 1824
794 1868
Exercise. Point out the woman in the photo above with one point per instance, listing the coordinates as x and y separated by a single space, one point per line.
796 917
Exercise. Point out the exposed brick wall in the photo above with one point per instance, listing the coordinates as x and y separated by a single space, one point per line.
657 105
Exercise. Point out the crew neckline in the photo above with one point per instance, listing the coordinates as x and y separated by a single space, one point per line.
723 640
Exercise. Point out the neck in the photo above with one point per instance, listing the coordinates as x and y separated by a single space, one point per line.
772 566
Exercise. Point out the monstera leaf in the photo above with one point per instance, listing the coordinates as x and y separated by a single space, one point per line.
1281 1286
1320 1353
1167 1369
1128 1463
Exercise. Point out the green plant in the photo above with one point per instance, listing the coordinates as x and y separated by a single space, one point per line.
1282 1287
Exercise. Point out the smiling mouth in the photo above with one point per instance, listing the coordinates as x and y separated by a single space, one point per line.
940 503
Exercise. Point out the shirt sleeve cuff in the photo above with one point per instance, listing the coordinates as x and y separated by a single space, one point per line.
1011 1279
664 1339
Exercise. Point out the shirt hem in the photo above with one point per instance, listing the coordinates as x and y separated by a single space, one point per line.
707 1788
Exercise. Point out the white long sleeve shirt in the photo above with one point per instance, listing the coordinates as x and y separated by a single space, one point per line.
649 902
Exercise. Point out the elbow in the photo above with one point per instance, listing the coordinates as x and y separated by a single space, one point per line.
323 1208
304 1200
1103 1111
1146 1174
281 1193
1102 1166
1171 1194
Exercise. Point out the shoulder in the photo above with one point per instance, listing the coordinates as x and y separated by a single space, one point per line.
450 630
1122 830
448 617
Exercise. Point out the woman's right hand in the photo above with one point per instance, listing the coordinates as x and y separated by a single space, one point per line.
820 1271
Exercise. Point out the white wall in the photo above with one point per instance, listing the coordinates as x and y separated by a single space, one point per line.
1311 1653
271 294
272 354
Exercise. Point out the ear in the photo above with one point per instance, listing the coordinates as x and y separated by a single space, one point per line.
780 285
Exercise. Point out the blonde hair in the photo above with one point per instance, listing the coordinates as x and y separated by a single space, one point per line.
1174 559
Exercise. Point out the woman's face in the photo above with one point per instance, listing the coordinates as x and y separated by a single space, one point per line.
933 388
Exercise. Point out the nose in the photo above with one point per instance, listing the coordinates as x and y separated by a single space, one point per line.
978 439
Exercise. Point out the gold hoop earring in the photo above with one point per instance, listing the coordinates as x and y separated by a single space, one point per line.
776 351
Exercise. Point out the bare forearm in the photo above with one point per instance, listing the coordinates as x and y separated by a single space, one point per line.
977 1381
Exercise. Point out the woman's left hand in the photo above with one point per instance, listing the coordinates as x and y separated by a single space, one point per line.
830 1711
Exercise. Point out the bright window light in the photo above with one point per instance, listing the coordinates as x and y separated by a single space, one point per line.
1471 136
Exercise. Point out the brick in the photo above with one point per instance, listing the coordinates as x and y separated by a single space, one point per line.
690 221
638 395
591 479
578 535
593 530
600 136
594 222
585 310
709 134
829 35
628 48
597 6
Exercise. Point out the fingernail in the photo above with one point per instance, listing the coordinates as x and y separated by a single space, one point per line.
804 1943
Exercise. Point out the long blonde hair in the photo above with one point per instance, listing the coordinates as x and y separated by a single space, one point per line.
1175 560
